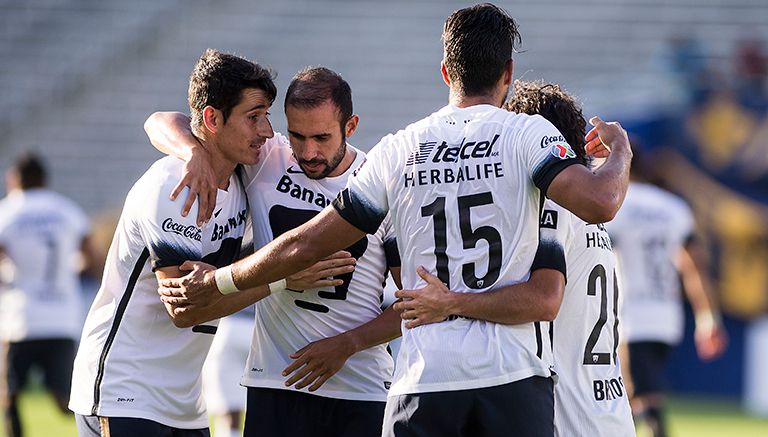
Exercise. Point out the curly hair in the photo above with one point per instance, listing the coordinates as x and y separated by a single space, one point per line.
556 105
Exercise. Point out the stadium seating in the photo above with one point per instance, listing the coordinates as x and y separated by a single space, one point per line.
80 77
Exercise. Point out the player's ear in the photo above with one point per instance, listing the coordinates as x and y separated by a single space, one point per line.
509 67
351 126
212 119
444 73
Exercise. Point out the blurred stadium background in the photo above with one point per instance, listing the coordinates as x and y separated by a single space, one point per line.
688 78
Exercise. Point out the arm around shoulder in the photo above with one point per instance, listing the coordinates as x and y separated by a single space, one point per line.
596 196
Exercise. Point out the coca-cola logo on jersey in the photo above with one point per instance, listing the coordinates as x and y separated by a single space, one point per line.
189 231
547 140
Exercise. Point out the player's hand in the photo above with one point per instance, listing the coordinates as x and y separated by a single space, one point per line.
321 273
603 136
430 304
198 175
316 362
195 290
711 341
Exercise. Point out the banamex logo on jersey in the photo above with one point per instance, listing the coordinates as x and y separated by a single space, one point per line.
189 231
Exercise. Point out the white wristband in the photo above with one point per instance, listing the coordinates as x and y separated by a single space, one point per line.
277 286
224 281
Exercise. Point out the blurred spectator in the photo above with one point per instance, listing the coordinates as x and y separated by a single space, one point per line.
652 235
41 234
686 58
751 71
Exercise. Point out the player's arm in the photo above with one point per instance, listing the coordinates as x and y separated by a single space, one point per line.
316 362
596 196
537 299
184 317
320 274
170 133
710 336
293 251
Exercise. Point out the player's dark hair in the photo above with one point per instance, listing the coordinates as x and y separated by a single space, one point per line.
30 171
556 105
313 86
477 42
218 80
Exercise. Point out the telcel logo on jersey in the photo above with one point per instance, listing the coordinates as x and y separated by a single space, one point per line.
465 150
189 231
447 153
451 154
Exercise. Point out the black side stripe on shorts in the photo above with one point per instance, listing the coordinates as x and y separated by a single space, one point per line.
539 346
538 236
137 268
552 335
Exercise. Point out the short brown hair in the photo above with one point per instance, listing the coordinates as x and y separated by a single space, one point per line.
30 170
219 79
477 43
312 86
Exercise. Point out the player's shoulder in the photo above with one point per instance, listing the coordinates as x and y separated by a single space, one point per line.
653 194
554 216
7 208
278 141
153 189
61 200
64 205
166 170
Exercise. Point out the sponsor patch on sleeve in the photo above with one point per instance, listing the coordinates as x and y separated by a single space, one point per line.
548 219
562 150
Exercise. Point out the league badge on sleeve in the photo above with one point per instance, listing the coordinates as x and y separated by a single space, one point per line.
562 150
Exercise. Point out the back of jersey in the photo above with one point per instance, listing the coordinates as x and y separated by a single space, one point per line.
41 233
648 233
463 187
590 397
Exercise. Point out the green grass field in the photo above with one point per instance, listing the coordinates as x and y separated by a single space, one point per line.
688 417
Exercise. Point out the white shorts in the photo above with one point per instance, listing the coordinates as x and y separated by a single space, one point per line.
225 364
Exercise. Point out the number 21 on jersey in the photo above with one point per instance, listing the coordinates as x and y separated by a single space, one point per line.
597 288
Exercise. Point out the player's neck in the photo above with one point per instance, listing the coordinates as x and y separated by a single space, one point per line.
346 162
464 101
221 166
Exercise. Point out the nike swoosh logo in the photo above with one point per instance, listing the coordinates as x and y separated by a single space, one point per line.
216 214
294 171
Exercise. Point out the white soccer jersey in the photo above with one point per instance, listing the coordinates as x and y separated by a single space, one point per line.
590 398
282 197
41 233
132 361
649 231
463 190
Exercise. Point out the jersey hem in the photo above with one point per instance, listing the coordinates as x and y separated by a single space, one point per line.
404 389
250 383
198 423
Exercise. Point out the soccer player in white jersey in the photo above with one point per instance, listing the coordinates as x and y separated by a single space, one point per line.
137 371
463 188
590 399
653 239
328 342
41 235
